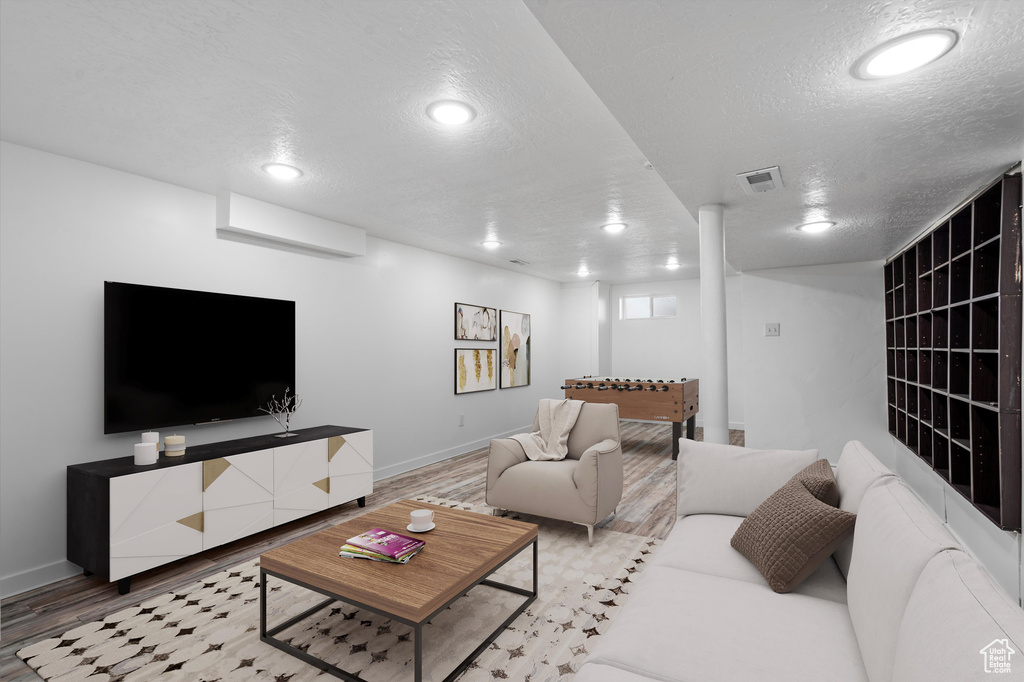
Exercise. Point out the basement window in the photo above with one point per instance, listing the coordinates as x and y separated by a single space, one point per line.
646 307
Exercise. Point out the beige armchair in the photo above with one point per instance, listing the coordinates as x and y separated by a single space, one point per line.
583 488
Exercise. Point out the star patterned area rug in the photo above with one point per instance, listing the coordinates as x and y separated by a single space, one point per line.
209 632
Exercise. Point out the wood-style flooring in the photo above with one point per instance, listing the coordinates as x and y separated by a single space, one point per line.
647 508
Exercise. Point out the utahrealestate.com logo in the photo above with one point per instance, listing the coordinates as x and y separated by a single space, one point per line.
997 656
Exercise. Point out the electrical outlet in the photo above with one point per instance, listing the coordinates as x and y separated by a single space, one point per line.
462 420
772 329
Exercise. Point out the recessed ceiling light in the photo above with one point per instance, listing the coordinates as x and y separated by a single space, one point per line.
614 227
814 228
491 244
451 113
282 171
905 53
583 272
673 265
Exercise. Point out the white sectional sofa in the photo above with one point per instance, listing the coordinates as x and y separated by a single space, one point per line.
900 601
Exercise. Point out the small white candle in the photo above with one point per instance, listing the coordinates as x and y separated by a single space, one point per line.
152 437
174 445
145 453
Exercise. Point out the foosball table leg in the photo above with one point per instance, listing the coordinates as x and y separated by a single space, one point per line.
677 433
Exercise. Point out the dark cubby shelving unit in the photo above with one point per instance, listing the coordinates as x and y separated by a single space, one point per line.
953 350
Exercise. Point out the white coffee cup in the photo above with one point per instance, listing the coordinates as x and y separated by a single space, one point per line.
421 519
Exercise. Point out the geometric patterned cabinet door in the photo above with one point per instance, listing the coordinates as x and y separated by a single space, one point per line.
155 517
300 480
238 496
350 467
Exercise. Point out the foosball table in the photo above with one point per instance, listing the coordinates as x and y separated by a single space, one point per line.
656 400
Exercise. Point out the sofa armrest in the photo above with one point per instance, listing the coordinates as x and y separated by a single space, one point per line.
587 474
503 453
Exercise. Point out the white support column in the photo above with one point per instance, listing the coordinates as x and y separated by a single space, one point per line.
714 381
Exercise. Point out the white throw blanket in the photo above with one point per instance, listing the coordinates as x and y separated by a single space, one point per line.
555 418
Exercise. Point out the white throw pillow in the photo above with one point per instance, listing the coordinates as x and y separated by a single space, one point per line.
727 479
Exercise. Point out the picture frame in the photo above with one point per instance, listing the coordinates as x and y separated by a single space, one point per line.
515 349
476 369
475 323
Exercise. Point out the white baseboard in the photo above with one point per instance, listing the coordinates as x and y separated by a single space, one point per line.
11 585
737 426
441 455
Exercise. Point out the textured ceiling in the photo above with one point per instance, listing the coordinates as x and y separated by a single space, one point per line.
573 99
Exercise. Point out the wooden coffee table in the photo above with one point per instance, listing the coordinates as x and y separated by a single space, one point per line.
460 553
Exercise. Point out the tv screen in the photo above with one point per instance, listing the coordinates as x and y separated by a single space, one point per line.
175 357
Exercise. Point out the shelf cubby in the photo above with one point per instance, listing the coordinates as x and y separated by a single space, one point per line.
960 326
953 350
924 330
924 292
985 378
940 454
925 445
960 374
987 214
940 244
940 286
940 370
960 232
912 433
986 269
960 279
985 324
940 329
924 257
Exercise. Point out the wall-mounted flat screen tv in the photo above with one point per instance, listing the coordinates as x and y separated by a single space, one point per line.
174 357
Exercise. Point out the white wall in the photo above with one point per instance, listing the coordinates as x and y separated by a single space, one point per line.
822 382
671 348
374 336
579 331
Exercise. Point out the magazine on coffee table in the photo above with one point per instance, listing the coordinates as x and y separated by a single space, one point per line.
385 543
353 552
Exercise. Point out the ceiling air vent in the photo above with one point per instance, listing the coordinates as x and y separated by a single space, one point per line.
763 180
516 261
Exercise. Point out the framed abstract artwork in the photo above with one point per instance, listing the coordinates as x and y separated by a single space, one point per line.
475 370
475 323
515 349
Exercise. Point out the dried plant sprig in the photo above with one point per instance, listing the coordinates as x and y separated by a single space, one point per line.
282 410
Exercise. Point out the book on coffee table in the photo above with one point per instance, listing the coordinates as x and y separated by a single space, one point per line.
353 552
385 543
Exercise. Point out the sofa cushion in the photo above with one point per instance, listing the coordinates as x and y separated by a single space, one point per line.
954 612
727 479
895 537
793 532
680 625
700 543
856 471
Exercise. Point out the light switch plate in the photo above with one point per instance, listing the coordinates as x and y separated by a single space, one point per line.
772 329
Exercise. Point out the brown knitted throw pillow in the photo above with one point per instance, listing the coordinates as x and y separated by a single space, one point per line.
794 531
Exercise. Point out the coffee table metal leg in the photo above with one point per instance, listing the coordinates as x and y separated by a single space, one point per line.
418 656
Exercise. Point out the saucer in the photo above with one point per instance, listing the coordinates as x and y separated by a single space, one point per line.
419 530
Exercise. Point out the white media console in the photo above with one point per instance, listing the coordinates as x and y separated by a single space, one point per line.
124 519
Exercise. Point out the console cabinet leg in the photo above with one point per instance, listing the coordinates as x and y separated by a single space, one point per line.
87 573
124 585
361 501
